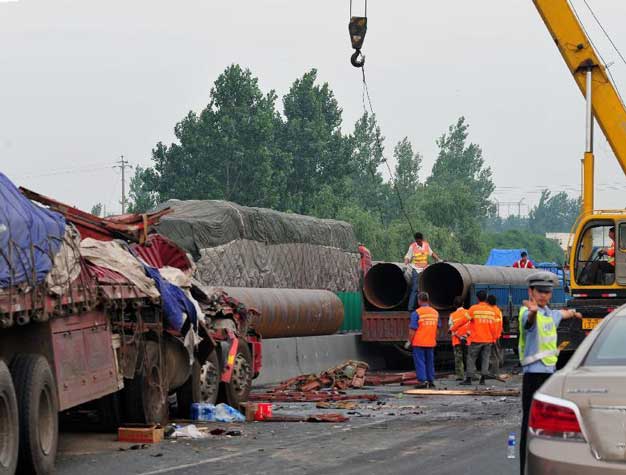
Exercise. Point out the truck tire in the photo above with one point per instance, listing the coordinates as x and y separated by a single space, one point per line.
38 408
9 428
202 386
237 391
145 396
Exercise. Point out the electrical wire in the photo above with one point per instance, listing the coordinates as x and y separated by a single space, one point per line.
608 37
597 50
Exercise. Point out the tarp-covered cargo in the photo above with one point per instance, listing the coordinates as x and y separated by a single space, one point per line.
239 246
30 236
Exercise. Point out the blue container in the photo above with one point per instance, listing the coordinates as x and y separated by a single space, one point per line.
202 412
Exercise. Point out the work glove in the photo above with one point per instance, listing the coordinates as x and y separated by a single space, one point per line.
407 345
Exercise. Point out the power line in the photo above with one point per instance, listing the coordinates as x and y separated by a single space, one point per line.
608 37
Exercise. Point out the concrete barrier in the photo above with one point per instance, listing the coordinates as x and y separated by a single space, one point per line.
284 358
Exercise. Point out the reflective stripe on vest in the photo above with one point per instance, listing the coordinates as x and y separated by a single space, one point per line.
426 333
420 255
548 352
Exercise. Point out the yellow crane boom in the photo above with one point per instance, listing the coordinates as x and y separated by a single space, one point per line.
603 100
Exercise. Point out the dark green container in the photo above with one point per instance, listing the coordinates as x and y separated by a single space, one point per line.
352 309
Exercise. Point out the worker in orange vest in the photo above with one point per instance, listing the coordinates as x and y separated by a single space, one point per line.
483 327
496 349
417 257
423 339
458 324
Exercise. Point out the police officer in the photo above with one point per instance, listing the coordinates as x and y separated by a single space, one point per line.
538 351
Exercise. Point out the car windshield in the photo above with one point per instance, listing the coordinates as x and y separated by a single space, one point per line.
609 348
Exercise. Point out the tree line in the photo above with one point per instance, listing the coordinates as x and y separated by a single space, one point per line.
302 159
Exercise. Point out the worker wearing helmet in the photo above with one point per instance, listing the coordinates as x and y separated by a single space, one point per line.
538 350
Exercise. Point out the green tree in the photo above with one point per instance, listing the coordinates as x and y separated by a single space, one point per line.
457 195
96 209
312 138
227 151
141 196
554 213
408 165
366 142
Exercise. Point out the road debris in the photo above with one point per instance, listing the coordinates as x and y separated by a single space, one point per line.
345 405
462 392
310 418
349 374
311 396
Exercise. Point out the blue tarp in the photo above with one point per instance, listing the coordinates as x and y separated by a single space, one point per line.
173 301
30 236
503 257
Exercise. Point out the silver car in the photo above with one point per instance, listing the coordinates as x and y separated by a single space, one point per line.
578 417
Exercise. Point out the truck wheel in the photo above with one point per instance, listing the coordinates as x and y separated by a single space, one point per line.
38 404
202 386
237 391
9 429
145 396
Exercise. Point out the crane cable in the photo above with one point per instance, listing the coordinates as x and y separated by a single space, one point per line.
394 183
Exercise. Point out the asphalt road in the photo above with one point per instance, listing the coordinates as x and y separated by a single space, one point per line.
406 434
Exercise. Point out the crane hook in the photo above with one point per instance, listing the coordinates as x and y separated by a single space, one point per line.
357 59
357 29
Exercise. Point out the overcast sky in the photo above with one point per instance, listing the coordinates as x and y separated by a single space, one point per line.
84 81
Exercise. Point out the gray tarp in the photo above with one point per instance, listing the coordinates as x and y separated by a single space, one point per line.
239 246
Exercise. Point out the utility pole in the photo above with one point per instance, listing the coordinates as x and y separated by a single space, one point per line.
123 164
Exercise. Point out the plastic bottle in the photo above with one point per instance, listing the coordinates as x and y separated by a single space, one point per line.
510 446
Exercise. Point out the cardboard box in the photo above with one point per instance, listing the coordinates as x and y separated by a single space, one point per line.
140 434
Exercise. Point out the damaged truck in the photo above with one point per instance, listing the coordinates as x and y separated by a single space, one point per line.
98 313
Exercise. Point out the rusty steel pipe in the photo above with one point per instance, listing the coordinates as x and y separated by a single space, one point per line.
291 312
445 280
387 285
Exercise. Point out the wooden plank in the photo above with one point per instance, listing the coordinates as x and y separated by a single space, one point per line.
462 392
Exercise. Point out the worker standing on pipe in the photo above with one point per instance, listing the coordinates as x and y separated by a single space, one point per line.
423 339
417 257
459 329
524 262
483 328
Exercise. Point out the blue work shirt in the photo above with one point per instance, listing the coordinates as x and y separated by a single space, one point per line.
532 340
415 318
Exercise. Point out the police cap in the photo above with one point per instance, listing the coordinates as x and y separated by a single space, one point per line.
541 280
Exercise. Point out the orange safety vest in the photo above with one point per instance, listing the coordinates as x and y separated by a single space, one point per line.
483 323
499 322
459 325
611 254
420 254
426 333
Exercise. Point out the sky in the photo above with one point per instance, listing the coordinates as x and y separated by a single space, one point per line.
83 82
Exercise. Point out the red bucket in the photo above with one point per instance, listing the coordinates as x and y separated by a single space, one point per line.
263 411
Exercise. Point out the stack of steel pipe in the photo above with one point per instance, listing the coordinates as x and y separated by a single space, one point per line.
387 286
445 280
291 312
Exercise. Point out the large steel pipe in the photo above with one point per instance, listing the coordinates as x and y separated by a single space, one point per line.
444 281
387 285
291 312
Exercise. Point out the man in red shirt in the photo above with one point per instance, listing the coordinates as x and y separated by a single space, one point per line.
524 262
